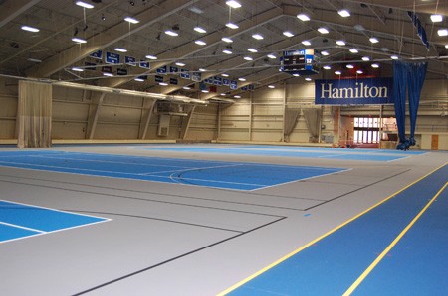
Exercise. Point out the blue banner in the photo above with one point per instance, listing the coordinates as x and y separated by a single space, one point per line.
144 64
233 84
361 91
161 70
97 54
174 70
196 76
185 73
112 57
129 60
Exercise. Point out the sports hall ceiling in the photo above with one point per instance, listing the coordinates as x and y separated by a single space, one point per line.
51 53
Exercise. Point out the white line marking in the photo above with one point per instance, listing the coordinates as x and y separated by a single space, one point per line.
22 227
50 209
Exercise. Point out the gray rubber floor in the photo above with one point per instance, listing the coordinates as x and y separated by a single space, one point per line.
169 239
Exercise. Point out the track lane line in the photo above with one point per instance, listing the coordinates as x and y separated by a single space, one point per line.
287 256
377 260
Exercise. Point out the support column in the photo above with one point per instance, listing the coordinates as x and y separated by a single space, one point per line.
186 124
94 113
147 111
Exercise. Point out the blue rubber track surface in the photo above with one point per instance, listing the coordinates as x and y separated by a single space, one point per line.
19 220
216 174
418 265
305 152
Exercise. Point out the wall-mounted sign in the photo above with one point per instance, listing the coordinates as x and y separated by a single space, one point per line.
361 91
233 84
161 70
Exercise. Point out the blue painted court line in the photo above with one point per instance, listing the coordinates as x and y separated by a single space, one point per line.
217 174
306 152
329 265
20 220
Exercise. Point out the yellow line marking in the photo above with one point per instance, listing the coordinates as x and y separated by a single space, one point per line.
242 282
386 250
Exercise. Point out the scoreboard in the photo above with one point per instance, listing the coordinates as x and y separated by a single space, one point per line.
298 61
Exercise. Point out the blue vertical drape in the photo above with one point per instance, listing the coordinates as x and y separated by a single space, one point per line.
410 77
416 77
399 96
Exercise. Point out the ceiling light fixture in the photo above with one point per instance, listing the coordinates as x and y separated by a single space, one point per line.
30 29
151 57
365 58
79 40
226 39
308 79
84 4
200 42
340 43
373 40
303 17
202 69
77 69
242 79
337 72
248 58
35 60
200 30
108 74
271 86
288 34
121 49
131 20
375 65
139 79
163 83
359 72
227 51
180 64
237 97
327 67
171 33
324 52
204 91
232 26
353 50
394 57
186 87
296 74
257 37
233 4
344 13
446 46
271 56
306 43
349 66
252 50
442 32
436 18
225 75
323 30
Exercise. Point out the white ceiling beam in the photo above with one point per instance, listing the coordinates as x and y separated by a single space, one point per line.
107 38
11 9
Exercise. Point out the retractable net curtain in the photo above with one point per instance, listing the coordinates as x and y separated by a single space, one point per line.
34 113
312 118
291 118
407 77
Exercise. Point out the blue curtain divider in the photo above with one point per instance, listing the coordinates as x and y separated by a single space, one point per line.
408 76
416 77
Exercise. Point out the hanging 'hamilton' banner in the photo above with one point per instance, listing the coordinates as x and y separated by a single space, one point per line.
361 91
